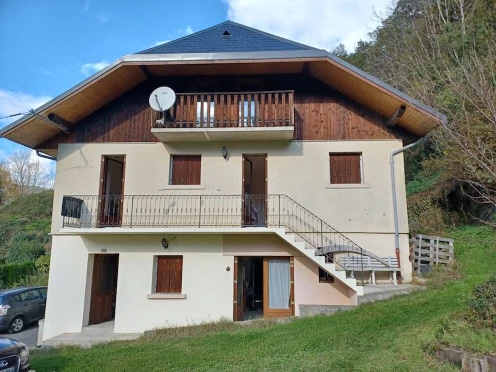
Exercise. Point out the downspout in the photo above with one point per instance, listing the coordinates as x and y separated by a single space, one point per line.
45 156
395 201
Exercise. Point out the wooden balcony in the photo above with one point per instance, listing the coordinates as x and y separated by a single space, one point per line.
227 117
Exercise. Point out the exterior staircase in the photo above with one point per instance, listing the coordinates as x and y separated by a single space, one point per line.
313 254
295 224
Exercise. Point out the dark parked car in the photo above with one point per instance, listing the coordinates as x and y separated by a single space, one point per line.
14 356
20 306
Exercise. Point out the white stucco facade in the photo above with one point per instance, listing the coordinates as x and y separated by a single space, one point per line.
207 283
299 169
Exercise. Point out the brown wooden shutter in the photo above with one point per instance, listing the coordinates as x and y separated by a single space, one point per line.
345 168
186 170
169 274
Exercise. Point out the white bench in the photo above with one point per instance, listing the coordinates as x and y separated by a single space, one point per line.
366 263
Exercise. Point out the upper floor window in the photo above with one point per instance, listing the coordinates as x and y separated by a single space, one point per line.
247 112
346 168
205 114
185 170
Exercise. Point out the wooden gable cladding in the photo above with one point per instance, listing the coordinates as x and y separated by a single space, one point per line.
328 115
320 112
126 119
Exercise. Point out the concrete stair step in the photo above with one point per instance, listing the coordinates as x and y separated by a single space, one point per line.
308 251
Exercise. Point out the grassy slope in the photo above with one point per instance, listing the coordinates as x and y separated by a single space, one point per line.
29 214
387 336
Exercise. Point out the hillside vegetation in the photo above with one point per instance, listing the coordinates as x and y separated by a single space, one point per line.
444 54
25 225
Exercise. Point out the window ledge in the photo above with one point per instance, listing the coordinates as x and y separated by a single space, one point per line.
166 296
183 187
347 186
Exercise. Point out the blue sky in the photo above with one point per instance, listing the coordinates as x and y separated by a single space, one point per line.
48 46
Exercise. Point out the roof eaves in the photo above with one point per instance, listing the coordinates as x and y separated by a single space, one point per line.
199 57
391 89
61 96
226 56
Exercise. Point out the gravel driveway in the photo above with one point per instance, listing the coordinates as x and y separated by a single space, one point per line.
29 336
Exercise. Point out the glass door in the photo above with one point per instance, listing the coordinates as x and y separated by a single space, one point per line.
278 287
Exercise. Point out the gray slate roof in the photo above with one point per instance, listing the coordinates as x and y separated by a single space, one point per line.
240 39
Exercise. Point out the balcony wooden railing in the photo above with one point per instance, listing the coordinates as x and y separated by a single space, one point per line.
228 110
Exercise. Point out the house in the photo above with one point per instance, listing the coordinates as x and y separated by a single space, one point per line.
260 192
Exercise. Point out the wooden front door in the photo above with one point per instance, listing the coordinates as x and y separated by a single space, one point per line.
103 288
111 198
254 190
278 280
238 301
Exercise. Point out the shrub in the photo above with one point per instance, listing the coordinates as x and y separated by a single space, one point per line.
482 304
43 264
13 273
38 279
24 247
440 275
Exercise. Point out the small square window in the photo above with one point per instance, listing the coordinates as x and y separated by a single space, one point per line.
185 170
325 277
345 168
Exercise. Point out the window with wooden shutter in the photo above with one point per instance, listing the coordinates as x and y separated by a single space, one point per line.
345 168
169 274
185 170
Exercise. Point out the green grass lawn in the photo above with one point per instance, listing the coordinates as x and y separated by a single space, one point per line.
393 335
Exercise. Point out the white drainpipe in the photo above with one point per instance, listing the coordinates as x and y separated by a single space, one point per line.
393 187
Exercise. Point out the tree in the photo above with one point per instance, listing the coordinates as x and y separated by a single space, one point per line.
444 54
27 173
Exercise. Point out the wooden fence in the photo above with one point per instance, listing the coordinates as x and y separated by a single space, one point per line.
430 250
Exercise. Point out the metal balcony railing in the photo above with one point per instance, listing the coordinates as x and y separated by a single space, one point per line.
203 211
228 110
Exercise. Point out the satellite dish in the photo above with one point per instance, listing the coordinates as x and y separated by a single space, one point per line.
162 99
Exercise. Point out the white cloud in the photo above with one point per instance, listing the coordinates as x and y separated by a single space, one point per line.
17 102
321 24
86 5
91 68
176 34
103 17
157 43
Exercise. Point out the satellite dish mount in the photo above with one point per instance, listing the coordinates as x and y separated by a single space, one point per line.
161 100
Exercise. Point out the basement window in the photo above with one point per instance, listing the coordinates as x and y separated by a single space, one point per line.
325 277
169 274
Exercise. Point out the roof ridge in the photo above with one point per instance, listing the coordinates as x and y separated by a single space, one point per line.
263 33
270 35
183 37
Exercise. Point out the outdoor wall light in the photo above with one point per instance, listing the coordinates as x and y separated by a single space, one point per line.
165 242
223 151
